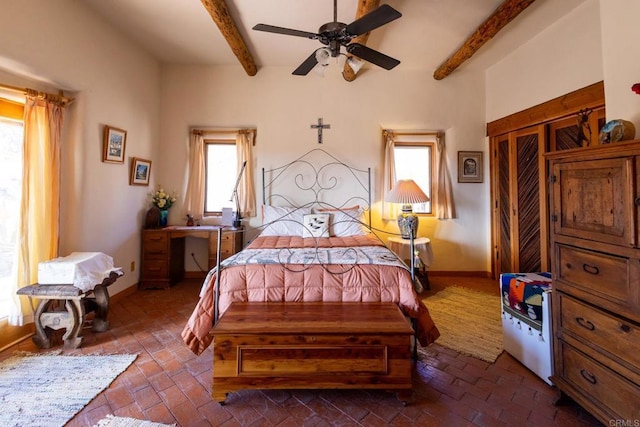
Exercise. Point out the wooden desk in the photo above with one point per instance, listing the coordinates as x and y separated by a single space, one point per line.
312 345
163 251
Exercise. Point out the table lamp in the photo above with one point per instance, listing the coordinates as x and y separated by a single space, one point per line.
407 192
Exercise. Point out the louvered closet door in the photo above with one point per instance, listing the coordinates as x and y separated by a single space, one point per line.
519 201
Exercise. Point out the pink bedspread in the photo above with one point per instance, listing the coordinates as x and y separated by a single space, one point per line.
274 282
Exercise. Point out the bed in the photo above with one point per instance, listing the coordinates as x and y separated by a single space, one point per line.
316 244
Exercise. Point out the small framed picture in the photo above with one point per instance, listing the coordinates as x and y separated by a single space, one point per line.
140 171
113 145
470 166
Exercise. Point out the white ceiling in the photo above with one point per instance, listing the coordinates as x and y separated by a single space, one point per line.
182 31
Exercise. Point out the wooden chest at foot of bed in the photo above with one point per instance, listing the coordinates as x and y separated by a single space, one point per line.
312 346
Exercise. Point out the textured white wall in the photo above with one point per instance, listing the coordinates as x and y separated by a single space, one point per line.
565 57
62 44
621 55
282 107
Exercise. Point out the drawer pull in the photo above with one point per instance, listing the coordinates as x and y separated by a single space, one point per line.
585 323
591 269
625 328
588 376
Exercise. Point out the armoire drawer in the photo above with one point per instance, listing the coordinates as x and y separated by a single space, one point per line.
612 334
603 279
599 384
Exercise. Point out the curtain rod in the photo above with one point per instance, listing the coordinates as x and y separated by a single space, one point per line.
25 91
405 132
221 131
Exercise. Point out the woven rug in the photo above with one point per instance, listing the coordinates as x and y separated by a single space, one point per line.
48 389
113 421
469 322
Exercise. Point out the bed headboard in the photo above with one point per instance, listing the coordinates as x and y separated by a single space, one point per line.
317 179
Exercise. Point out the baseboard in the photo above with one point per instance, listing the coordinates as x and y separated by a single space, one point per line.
194 275
123 293
485 274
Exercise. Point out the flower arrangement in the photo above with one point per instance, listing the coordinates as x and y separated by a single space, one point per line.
163 200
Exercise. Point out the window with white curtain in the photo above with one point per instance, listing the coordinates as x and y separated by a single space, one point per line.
414 159
221 166
11 136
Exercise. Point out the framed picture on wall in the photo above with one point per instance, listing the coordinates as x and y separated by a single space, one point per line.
140 171
113 144
470 166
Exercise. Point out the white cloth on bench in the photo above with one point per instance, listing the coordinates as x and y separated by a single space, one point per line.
84 270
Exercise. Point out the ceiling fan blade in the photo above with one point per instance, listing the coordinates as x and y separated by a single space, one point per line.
285 31
373 56
308 64
372 20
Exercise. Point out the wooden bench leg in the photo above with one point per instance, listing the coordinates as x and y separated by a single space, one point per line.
72 338
101 308
41 339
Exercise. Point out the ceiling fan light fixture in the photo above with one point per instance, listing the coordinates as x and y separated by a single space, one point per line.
354 64
323 56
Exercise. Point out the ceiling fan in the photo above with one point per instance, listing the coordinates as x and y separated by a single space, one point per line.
336 34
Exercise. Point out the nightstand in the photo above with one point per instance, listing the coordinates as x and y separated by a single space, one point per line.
402 247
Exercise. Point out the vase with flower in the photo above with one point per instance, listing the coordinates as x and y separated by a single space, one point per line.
163 200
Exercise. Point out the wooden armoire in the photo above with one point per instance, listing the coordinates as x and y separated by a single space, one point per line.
518 173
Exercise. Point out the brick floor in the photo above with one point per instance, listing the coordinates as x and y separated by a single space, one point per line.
169 384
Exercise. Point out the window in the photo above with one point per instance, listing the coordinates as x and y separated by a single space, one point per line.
414 159
11 134
221 165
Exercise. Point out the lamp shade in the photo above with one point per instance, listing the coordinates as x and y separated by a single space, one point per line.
407 192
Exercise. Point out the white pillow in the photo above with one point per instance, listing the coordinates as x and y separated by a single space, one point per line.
346 222
316 225
288 221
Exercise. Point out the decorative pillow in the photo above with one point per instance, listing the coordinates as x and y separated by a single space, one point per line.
316 225
286 221
346 222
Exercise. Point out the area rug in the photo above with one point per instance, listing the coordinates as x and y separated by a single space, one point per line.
49 389
113 421
469 322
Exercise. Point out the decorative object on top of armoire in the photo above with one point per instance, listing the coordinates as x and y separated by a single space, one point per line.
616 131
519 223
595 237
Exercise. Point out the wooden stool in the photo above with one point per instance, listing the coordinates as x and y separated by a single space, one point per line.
76 304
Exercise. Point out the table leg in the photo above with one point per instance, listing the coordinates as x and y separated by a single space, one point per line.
76 312
100 322
41 339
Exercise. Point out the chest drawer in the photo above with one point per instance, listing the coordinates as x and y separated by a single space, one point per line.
614 394
606 280
618 336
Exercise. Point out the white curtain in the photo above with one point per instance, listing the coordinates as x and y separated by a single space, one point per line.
390 211
444 204
246 190
194 197
40 209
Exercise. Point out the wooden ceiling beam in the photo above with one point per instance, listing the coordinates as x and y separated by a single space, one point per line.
505 13
364 7
221 16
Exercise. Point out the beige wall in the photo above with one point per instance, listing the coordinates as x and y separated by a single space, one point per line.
282 107
621 57
565 57
61 44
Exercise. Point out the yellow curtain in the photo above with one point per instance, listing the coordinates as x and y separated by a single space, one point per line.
246 190
40 210
390 211
194 198
444 205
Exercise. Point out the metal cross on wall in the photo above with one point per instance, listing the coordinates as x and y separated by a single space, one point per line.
320 126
